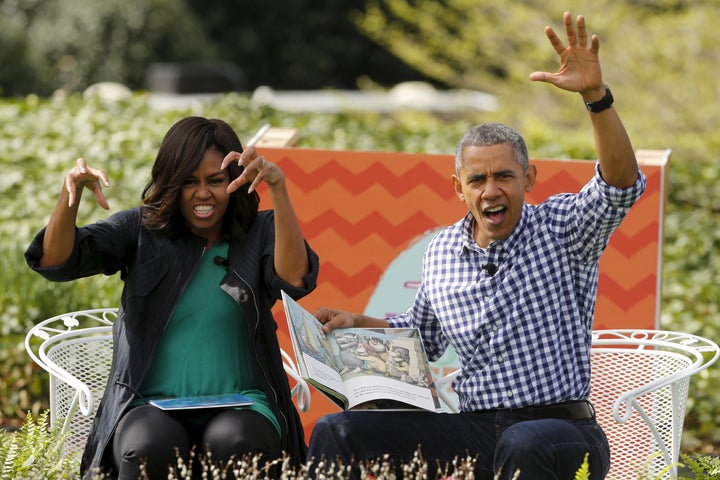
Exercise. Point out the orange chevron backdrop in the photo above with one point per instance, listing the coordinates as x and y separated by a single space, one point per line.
360 211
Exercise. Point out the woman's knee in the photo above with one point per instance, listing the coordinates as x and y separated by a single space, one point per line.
237 433
148 436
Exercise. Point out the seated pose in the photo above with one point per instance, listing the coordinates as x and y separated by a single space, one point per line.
202 267
512 288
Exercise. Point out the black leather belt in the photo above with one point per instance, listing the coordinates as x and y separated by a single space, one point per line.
577 410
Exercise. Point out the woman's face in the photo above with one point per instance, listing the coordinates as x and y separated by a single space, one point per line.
204 199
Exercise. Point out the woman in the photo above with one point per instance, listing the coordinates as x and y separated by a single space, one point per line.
202 268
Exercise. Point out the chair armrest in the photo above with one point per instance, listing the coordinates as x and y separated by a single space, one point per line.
442 385
84 395
697 352
66 330
301 390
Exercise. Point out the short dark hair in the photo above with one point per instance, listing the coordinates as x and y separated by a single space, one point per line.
178 157
491 133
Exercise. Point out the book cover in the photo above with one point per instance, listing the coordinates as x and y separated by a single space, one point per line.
201 401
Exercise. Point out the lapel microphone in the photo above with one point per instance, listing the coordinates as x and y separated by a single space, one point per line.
490 268
223 262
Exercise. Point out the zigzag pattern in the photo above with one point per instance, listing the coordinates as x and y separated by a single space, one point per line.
626 298
350 285
631 245
375 222
364 185
397 183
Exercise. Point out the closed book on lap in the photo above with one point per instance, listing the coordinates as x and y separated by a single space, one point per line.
201 401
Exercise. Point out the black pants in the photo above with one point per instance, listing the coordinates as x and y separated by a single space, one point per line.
155 437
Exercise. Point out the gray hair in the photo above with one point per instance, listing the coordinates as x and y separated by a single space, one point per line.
487 134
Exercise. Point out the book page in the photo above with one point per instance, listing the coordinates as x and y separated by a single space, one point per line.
313 350
359 365
387 363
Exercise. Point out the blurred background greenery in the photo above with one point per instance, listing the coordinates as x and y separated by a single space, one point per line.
661 58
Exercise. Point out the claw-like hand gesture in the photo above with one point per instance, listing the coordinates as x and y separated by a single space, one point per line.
256 169
82 176
579 64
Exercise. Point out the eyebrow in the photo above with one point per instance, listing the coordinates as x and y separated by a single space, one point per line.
476 176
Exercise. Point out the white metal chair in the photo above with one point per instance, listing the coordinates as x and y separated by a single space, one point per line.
641 371
75 348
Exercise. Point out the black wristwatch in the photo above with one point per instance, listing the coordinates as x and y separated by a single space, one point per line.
603 104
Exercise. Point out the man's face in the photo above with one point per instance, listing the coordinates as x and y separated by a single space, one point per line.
493 185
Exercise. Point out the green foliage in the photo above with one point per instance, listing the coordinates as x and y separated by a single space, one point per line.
35 451
665 89
703 467
583 472
72 43
459 42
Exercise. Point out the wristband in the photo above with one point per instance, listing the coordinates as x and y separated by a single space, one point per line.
602 104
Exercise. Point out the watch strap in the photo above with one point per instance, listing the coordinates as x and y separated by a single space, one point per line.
603 104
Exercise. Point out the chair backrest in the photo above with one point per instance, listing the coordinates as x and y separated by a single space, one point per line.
640 381
76 350
639 388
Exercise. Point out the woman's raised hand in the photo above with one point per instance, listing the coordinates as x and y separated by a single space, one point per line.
82 176
256 168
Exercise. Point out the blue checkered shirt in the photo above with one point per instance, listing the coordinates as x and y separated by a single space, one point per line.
522 335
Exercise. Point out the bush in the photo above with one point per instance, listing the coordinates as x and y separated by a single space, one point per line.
70 44
35 452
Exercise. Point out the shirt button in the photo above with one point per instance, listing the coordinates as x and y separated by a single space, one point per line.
499 358
494 328
509 393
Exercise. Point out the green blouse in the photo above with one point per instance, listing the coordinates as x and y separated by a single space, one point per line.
204 349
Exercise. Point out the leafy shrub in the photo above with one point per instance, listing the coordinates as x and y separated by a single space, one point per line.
71 44
702 467
35 452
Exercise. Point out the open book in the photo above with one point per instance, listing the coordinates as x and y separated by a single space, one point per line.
362 368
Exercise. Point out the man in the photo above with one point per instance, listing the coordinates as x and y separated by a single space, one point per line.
512 288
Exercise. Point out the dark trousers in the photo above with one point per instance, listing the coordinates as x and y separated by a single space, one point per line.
155 437
502 442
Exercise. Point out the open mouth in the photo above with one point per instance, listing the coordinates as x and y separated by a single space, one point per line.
203 211
496 213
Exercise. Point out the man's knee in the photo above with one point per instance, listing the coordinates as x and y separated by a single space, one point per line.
547 448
